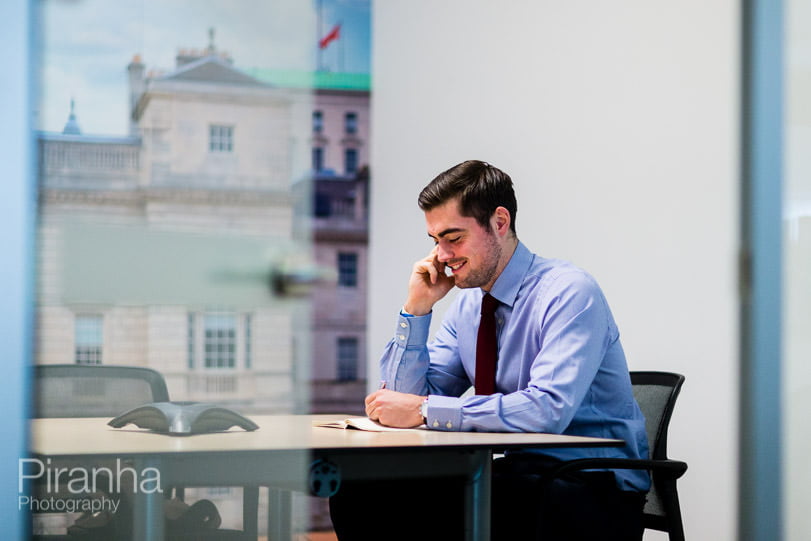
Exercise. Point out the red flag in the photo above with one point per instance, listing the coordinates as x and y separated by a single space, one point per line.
334 34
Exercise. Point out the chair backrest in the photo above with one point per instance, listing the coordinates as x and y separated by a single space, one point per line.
656 394
78 390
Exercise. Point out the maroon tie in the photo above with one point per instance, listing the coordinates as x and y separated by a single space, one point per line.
487 348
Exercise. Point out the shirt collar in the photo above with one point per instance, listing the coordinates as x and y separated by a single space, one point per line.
506 287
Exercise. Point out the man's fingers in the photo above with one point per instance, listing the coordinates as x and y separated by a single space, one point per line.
369 403
427 267
373 403
432 274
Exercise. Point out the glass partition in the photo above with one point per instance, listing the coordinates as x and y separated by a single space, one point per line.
177 175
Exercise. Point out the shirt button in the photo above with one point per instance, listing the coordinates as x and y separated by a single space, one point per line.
403 324
401 337
436 423
449 425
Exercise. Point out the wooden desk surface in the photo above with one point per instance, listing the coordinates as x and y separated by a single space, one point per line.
280 454
92 436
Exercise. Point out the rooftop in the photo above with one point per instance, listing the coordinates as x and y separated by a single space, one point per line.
321 80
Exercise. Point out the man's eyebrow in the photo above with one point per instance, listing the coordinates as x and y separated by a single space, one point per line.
448 231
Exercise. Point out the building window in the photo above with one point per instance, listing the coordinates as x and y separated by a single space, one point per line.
350 161
220 138
351 123
322 206
220 340
318 121
347 358
318 159
88 337
347 269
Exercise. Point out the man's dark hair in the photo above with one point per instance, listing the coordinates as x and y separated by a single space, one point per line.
480 187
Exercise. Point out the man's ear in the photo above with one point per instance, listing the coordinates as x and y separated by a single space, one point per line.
501 221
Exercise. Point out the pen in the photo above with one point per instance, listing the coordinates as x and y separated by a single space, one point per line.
382 384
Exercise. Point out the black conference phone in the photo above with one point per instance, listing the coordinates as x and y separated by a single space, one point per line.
183 418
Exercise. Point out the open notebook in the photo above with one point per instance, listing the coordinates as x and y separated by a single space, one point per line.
364 423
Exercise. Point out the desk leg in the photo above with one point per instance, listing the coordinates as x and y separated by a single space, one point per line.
148 521
280 511
250 508
477 497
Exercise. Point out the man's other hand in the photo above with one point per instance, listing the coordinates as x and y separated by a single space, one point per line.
390 408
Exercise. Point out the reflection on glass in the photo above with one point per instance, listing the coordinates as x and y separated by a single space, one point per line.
88 338
178 163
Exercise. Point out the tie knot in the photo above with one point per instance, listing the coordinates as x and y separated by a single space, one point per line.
489 304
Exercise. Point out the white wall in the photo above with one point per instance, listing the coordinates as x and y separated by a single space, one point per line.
618 123
797 268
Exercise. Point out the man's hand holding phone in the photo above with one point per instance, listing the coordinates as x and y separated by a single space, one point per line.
427 285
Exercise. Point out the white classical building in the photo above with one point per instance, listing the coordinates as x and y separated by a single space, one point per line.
134 230
157 248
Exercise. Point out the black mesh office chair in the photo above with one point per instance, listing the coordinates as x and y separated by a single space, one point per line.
656 394
86 390
76 390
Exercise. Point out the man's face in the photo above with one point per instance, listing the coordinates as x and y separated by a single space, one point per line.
471 251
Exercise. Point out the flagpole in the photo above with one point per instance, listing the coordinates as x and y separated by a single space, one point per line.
341 65
320 32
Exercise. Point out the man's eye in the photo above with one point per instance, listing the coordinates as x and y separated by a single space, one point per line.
455 239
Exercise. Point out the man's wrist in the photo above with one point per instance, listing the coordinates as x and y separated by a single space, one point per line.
416 310
424 410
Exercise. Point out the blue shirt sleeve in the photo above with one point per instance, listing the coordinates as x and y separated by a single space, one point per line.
413 367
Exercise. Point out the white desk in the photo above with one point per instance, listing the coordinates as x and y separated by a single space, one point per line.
280 452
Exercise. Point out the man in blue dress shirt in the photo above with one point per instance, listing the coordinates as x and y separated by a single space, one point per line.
560 369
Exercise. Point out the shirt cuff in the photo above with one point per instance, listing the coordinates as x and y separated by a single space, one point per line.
412 331
444 413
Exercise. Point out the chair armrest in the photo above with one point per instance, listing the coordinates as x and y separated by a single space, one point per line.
671 469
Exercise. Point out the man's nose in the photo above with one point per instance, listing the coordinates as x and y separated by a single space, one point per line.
443 254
